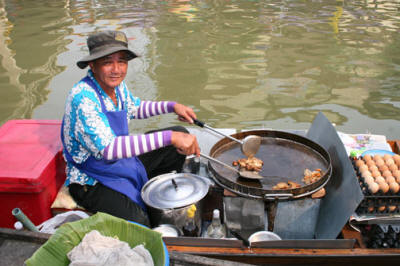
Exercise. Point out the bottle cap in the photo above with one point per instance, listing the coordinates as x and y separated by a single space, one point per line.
191 211
18 225
216 213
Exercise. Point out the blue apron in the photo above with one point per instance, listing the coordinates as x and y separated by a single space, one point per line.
126 176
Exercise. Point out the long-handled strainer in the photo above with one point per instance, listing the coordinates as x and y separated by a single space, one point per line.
242 173
249 145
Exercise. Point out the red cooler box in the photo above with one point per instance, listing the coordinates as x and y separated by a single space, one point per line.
31 169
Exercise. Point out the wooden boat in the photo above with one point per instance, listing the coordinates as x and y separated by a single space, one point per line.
17 246
349 248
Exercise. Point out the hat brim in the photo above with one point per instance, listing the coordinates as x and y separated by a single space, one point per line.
84 62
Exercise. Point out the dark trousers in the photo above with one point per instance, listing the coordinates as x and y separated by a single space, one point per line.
101 198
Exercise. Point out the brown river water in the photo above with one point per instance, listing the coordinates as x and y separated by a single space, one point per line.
240 64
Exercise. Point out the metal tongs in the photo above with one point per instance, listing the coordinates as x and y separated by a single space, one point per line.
249 145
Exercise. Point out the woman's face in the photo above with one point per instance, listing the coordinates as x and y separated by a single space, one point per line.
110 70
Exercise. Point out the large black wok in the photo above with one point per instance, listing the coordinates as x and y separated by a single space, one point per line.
285 156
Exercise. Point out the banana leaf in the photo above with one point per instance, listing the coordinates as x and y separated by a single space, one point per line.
54 251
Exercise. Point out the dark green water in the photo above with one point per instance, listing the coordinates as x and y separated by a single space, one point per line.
239 64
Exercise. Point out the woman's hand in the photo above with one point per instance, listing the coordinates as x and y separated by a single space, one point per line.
185 114
185 143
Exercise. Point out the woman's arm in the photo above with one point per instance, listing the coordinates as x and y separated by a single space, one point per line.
149 108
134 145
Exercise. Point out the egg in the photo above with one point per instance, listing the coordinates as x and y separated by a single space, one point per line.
386 173
371 209
382 208
384 187
363 167
390 179
392 208
373 168
389 161
375 173
369 179
394 187
379 162
370 163
383 167
359 162
373 187
380 179
387 156
368 157
393 167
396 174
396 159
377 157
366 173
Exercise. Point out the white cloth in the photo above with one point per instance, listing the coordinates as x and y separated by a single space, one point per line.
96 249
50 226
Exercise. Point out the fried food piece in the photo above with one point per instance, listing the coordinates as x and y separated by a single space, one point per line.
293 184
286 185
250 164
281 185
312 176
319 194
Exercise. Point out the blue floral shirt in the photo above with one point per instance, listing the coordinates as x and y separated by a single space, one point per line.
86 128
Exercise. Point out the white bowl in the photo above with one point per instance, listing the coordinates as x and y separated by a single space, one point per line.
167 230
263 236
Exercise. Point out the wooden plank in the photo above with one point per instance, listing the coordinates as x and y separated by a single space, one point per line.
286 252
23 235
187 259
259 256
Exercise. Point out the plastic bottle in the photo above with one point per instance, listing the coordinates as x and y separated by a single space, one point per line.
216 229
190 228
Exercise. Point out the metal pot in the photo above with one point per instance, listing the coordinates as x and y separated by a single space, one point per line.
169 196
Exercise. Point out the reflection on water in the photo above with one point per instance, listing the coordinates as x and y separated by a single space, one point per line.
239 64
32 36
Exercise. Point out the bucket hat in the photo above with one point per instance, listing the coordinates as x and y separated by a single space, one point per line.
105 43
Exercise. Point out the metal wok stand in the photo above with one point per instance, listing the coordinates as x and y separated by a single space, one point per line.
271 201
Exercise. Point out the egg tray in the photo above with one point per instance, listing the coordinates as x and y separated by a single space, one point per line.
372 202
379 206
381 235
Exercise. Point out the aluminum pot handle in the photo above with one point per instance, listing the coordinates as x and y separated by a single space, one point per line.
280 196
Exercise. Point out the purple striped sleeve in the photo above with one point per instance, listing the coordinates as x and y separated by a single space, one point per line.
167 137
114 154
170 107
163 108
147 109
147 137
141 149
114 151
151 104
124 155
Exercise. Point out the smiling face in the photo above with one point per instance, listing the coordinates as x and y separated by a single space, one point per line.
110 70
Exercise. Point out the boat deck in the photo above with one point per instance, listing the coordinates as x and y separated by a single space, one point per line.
349 248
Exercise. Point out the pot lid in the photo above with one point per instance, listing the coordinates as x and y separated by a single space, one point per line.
170 191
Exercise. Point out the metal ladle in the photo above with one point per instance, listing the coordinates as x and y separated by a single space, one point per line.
249 145
242 173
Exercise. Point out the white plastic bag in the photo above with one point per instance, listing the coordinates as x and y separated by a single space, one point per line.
51 225
96 249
